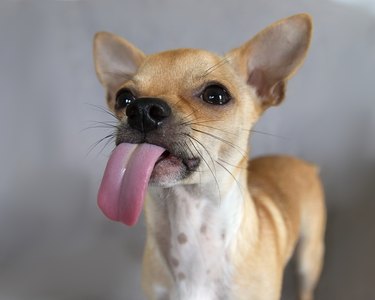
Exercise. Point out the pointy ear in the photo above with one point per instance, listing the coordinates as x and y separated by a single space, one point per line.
269 59
116 60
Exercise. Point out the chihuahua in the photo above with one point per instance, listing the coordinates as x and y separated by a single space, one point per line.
218 225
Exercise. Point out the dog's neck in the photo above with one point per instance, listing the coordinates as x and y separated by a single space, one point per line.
194 227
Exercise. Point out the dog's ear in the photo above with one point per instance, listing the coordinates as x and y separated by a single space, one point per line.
115 59
269 59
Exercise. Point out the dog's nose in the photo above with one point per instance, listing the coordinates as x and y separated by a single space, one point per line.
146 114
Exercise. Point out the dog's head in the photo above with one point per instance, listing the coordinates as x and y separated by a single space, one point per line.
198 106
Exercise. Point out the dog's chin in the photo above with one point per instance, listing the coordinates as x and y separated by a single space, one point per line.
170 170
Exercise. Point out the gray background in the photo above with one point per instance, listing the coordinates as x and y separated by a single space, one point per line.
54 242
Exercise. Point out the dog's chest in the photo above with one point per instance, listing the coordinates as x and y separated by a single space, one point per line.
198 252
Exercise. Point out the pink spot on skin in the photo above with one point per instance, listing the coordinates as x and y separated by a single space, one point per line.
181 238
174 262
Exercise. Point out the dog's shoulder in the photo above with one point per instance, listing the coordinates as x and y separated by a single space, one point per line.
276 165
281 176
282 186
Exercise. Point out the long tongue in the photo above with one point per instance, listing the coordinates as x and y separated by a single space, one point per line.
125 180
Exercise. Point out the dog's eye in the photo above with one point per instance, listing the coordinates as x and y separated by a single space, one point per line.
215 94
123 98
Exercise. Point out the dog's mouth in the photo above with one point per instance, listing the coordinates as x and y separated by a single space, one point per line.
170 168
130 169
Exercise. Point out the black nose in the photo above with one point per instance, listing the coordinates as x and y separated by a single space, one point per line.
146 114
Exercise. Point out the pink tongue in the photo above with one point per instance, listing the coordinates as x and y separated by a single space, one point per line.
125 180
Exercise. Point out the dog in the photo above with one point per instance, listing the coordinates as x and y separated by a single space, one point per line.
218 225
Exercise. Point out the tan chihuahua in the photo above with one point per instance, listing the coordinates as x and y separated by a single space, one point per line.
218 226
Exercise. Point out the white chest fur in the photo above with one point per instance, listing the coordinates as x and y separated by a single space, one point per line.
195 238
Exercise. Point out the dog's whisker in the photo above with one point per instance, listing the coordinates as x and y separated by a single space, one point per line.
95 127
195 122
110 140
205 161
205 149
185 120
192 155
103 109
234 177
178 102
101 125
114 125
268 134
187 146
234 133
101 122
94 145
232 165
215 128
207 164
234 146
222 62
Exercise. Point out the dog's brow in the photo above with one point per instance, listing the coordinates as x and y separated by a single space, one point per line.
219 64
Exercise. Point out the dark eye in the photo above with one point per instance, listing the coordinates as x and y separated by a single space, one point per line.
123 98
215 94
